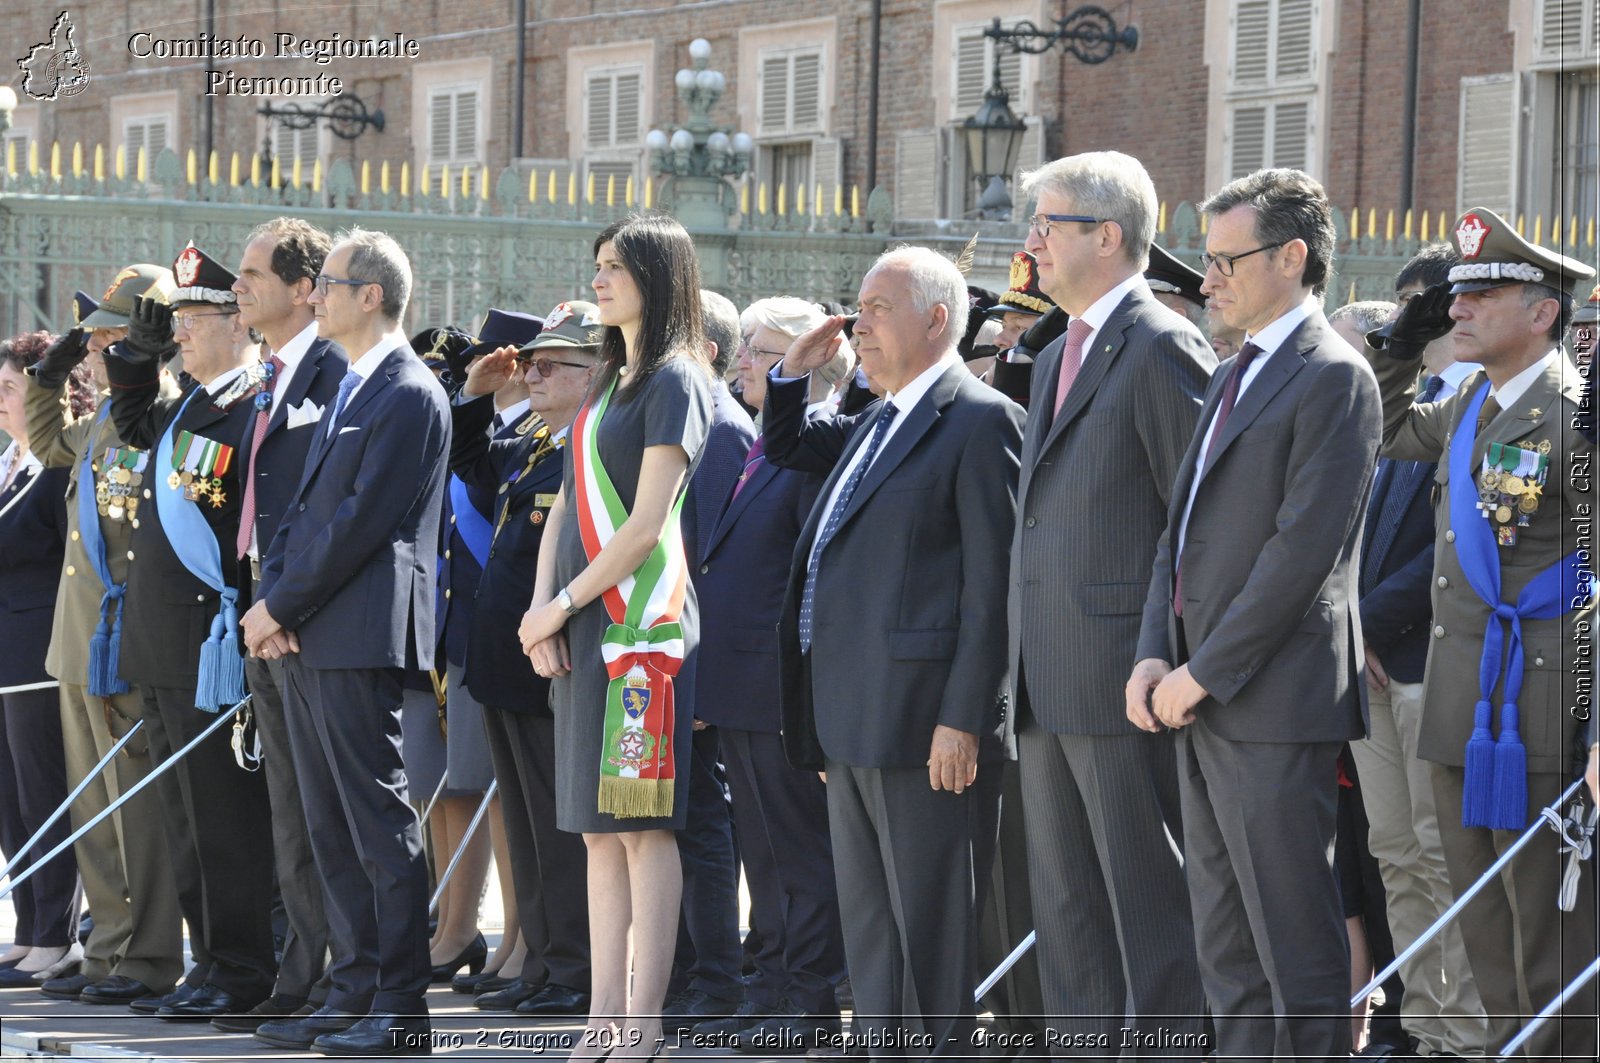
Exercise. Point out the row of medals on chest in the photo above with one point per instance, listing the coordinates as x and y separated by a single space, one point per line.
1510 487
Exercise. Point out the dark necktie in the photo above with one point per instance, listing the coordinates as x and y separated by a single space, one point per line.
1490 410
880 429
1230 395
752 462
1430 389
496 424
247 514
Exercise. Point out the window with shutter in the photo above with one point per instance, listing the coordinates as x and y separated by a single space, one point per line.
612 108
291 144
14 149
790 93
149 133
916 169
974 71
1486 161
1272 85
453 124
1578 194
1566 30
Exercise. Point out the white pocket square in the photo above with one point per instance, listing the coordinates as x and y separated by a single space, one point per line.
350 428
306 413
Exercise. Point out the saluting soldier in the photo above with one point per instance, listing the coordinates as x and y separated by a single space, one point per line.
180 636
1502 716
135 950
520 470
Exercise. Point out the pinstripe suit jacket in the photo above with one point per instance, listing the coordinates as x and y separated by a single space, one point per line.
1091 504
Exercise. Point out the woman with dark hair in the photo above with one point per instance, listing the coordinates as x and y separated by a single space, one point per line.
33 776
613 615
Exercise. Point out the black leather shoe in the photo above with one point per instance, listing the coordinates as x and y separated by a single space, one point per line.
115 989
692 1007
277 1006
152 1005
719 1032
300 1032
555 999
380 1034
784 1034
67 987
473 957
207 1003
479 983
508 998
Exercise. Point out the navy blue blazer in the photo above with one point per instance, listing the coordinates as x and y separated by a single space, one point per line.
459 571
168 611
1397 568
33 537
732 432
352 566
740 584
495 669
282 457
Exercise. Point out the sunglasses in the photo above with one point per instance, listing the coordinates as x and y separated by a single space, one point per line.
546 366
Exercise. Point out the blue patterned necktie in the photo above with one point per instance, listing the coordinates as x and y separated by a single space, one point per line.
880 429
1430 390
348 385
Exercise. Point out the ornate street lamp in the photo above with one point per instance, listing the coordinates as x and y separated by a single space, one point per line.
994 135
698 156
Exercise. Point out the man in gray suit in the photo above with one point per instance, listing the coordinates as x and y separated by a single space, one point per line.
892 639
1117 400
1251 644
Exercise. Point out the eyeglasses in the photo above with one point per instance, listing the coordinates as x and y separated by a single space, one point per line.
546 366
186 321
1225 263
323 280
1040 223
753 351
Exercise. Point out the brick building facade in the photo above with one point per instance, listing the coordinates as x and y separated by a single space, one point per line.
1215 87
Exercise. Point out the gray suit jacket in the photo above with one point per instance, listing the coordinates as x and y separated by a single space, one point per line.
1092 502
1271 564
910 603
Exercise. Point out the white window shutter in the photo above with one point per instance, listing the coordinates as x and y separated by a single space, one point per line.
774 90
133 137
466 131
1252 26
599 131
625 125
806 95
916 174
1030 156
1293 40
1248 150
972 72
1291 134
826 162
1486 159
155 138
1559 31
440 125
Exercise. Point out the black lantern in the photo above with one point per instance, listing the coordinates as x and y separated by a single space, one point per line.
994 137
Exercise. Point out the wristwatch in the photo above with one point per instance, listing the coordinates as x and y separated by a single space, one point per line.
564 600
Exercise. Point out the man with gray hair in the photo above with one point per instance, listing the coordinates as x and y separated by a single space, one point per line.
1116 400
892 639
772 325
346 599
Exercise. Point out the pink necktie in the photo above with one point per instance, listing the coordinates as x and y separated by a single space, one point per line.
247 510
751 461
1071 358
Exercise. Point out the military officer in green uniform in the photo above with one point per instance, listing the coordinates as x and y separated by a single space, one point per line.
1505 715
135 948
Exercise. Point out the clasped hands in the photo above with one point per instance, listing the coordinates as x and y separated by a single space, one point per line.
264 637
1159 694
544 641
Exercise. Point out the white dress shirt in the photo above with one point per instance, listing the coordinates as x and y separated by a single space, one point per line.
1508 393
293 353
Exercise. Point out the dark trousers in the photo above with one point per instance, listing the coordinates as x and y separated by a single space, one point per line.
903 860
1116 941
33 784
222 822
344 733
549 867
1017 1000
1258 830
782 817
1513 930
305 940
185 864
709 957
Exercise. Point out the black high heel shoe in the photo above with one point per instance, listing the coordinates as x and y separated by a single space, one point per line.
473 957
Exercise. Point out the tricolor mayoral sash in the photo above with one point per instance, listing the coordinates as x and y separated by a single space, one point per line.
1495 793
642 648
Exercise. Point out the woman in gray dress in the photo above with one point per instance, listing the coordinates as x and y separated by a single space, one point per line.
613 615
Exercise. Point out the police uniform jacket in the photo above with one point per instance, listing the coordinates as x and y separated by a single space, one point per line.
1549 702
168 612
496 671
60 441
